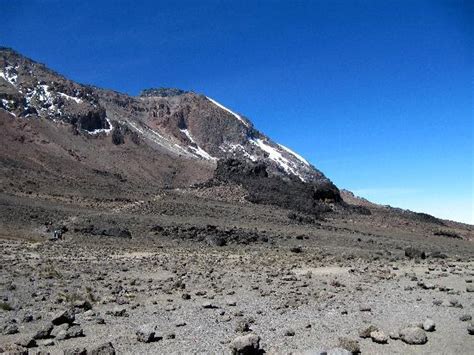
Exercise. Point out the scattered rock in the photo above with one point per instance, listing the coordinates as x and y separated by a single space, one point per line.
59 332
26 342
62 317
146 333
414 253
379 337
365 333
9 329
74 331
429 325
350 345
394 335
246 345
75 351
104 349
44 332
470 328
413 335
296 250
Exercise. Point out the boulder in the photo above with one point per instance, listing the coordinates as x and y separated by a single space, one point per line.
67 316
413 336
246 345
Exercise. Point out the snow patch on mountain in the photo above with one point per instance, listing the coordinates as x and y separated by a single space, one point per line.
197 149
10 75
67 97
238 148
299 157
278 158
231 112
102 130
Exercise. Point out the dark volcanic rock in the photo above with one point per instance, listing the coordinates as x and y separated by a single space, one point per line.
414 253
274 190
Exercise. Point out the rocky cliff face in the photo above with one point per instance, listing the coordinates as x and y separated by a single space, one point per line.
173 122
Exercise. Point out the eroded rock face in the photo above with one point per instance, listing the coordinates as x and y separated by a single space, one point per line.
274 190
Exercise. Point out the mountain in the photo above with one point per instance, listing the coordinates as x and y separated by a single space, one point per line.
87 138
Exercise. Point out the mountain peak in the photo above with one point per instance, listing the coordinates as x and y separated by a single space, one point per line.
172 121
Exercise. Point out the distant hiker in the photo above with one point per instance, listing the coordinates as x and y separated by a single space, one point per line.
58 234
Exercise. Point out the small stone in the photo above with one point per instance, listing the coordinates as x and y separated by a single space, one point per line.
465 318
59 331
26 342
208 305
74 331
242 326
44 332
9 329
289 332
186 296
429 325
350 345
104 349
246 345
394 335
75 351
231 303
470 328
146 333
27 318
296 250
414 253
365 333
379 337
47 342
119 312
413 335
85 305
365 308
470 287
89 313
333 351
62 317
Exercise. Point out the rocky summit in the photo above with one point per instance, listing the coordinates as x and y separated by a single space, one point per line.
167 223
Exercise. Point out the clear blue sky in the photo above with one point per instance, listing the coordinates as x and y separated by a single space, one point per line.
376 94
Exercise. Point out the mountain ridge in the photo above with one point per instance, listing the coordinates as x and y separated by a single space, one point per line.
178 126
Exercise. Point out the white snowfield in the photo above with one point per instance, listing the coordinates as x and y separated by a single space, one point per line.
299 157
278 158
231 112
198 150
157 138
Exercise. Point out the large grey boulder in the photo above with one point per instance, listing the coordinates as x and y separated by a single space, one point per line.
413 336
